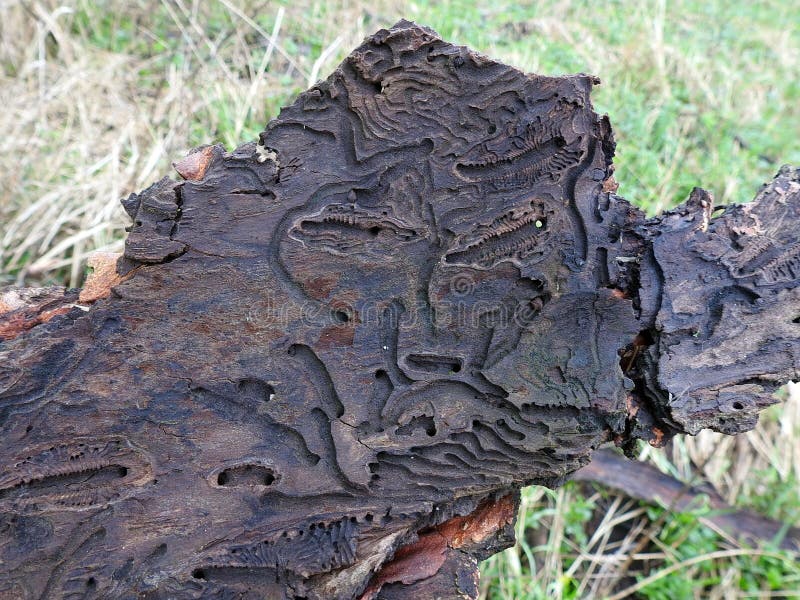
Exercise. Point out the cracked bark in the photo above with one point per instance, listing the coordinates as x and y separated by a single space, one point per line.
326 364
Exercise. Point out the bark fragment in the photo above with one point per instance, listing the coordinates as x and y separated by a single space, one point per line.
103 277
24 308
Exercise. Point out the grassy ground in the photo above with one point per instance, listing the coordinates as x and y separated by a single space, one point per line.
98 97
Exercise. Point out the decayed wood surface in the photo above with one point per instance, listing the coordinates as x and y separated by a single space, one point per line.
326 364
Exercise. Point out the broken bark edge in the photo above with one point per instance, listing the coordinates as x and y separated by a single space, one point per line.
424 558
22 309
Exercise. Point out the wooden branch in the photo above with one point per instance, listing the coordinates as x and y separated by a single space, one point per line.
323 356
645 482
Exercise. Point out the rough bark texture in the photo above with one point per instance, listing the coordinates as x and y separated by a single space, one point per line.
328 362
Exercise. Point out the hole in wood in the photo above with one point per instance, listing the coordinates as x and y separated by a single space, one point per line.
64 483
427 424
246 476
432 363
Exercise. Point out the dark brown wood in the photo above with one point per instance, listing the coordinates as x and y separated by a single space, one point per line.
321 354
644 481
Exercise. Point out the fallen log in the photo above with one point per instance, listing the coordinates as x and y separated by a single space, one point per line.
326 363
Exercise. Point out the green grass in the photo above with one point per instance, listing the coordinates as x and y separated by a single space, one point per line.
582 543
700 93
99 97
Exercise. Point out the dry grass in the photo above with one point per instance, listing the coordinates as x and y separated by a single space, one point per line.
98 98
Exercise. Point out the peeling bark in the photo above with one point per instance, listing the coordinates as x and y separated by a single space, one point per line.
103 277
331 360
22 309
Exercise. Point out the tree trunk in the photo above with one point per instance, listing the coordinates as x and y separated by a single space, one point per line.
326 364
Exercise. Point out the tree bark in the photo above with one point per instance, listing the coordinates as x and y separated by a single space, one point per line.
325 364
